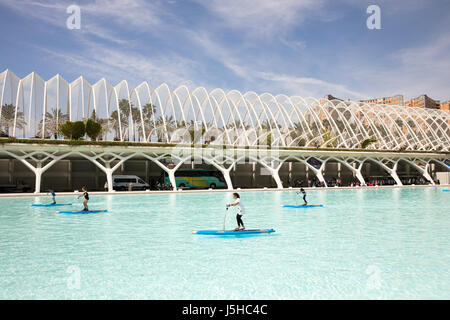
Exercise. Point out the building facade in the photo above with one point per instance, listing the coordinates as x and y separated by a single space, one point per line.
423 101
247 137
396 100
445 106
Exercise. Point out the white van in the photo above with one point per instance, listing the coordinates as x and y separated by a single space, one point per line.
123 183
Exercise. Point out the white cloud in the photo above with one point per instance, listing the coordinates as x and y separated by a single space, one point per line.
261 78
295 45
117 64
139 15
308 86
412 71
262 17
217 52
126 16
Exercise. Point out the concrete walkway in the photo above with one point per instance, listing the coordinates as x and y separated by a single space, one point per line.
150 192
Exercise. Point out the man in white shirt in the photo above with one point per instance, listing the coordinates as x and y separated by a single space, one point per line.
240 211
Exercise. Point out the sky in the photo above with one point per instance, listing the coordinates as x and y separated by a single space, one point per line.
308 48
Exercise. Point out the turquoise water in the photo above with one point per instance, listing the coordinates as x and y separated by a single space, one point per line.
376 244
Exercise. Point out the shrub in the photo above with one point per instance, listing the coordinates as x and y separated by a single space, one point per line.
73 130
367 142
93 129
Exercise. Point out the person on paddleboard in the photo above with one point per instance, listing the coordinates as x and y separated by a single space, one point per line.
86 198
52 192
240 211
303 192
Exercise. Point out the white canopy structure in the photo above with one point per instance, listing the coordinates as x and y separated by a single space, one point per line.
33 108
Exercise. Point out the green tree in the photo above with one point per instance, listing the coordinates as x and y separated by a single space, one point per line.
329 138
367 142
73 130
93 129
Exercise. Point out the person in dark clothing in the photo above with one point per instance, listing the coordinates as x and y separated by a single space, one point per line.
303 192
85 194
52 192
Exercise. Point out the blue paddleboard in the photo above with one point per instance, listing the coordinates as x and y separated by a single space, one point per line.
232 232
445 190
307 206
82 212
51 205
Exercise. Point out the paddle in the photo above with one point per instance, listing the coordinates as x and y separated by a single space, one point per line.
225 219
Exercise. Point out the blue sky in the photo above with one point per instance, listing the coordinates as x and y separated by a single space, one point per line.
294 47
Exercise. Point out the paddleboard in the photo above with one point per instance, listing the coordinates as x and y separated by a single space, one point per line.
82 212
307 206
232 232
445 190
51 205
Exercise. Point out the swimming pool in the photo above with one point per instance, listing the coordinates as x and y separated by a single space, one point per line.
375 244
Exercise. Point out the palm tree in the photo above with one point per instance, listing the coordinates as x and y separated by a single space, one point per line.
52 122
9 117
124 111
114 124
127 110
170 125
297 132
329 138
148 113
136 122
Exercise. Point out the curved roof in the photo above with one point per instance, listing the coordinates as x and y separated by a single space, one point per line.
216 117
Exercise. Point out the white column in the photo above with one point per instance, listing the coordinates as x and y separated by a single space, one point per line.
317 172
38 178
38 170
107 167
227 177
276 177
170 172
319 175
108 171
423 171
172 179
426 175
396 178
393 173
225 171
356 171
360 176
273 171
